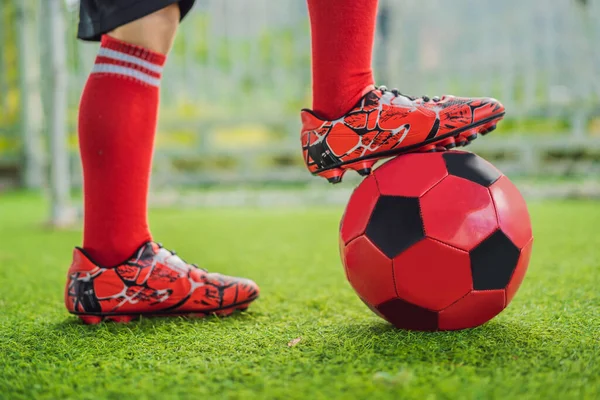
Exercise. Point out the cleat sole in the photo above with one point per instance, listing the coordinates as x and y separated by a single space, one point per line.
448 143
430 148
90 319
487 129
121 319
363 168
126 318
333 175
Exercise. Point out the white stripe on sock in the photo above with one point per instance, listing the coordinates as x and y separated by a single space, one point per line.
120 70
117 55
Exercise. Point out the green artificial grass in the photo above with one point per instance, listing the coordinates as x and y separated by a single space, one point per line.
546 345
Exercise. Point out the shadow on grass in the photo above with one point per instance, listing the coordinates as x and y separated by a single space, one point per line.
148 325
492 342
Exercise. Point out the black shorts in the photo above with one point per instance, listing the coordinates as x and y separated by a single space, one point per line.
97 17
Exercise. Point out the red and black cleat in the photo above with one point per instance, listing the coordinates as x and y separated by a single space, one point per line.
153 282
386 123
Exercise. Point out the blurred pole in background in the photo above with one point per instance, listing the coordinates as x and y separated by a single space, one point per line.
30 96
55 61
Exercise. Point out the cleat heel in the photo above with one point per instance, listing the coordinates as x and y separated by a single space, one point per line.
333 175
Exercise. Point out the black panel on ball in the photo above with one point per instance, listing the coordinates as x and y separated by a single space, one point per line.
405 315
471 167
493 262
395 224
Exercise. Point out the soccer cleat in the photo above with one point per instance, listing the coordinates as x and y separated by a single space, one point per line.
153 282
386 123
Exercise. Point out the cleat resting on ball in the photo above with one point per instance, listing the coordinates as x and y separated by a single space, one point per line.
385 123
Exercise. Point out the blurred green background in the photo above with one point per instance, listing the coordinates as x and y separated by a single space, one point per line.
240 72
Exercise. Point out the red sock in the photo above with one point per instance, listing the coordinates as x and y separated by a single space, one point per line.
342 34
117 124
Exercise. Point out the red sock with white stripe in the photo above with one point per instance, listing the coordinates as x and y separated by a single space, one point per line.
117 124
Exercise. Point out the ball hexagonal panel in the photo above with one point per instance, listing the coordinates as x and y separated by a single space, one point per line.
410 175
472 310
358 210
519 273
458 212
369 271
405 315
471 167
513 215
395 224
432 275
493 262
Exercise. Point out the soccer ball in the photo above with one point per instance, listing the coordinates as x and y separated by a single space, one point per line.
436 241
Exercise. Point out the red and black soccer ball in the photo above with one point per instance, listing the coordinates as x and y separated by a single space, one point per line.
436 241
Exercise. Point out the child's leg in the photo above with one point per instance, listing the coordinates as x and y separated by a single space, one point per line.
117 124
342 34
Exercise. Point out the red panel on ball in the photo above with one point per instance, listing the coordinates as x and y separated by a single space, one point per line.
432 275
369 271
519 273
359 208
513 216
474 309
410 175
458 212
